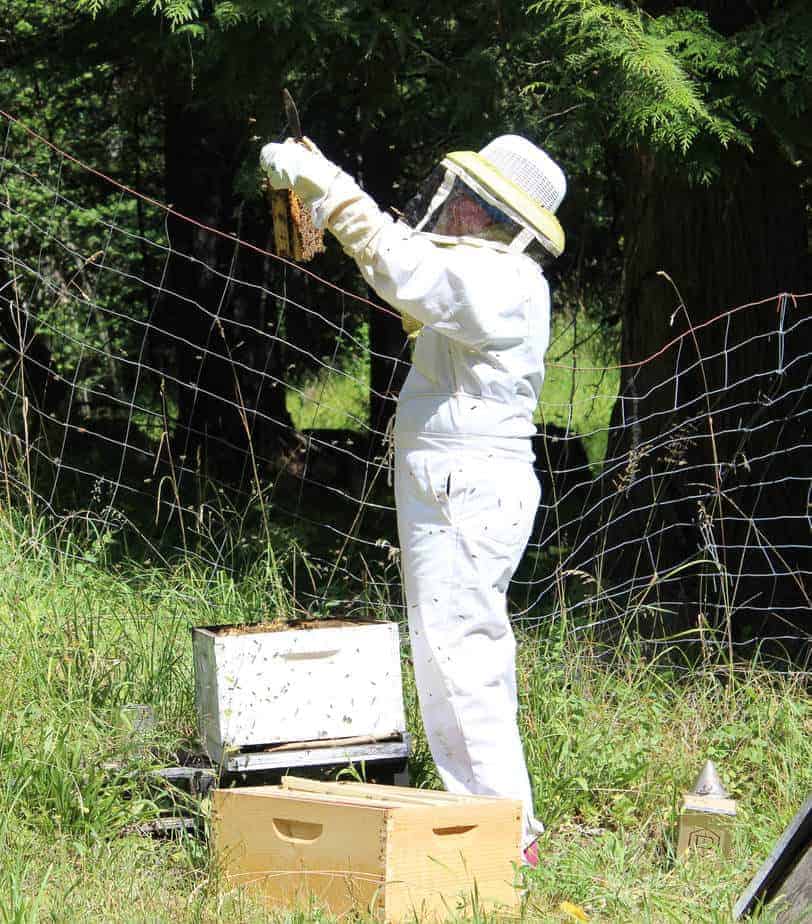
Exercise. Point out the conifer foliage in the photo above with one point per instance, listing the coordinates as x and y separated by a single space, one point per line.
688 79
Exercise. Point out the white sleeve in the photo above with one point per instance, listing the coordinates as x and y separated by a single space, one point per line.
461 291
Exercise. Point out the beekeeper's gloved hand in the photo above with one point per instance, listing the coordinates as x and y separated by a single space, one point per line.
300 167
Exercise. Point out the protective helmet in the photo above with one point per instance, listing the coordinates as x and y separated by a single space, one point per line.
530 168
511 181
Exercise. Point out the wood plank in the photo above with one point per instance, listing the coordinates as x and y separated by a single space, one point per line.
434 795
196 781
399 794
247 761
330 743
164 827
319 798
793 900
356 792
782 857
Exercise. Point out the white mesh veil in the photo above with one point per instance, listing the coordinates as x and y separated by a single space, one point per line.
505 195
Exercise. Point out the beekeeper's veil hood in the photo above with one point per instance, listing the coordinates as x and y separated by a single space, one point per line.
506 194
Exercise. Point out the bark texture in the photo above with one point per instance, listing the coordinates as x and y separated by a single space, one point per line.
230 400
708 436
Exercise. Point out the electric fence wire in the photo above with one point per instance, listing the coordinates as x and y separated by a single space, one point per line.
659 499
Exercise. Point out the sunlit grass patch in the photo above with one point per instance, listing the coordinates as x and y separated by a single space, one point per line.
580 383
337 396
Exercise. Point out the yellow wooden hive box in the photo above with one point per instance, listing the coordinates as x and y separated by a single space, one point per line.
390 851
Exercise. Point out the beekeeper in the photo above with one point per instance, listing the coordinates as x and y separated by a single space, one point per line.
463 268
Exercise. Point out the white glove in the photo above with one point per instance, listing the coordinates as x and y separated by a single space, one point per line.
300 167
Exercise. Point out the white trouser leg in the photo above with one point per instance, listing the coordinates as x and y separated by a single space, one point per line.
459 550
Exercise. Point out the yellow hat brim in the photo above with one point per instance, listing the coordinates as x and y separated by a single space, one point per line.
538 219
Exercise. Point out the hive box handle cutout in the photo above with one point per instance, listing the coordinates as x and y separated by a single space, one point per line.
297 832
453 829
309 655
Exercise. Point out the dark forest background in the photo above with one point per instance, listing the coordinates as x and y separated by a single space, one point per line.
685 132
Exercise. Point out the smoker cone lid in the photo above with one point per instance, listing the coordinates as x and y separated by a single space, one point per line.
708 783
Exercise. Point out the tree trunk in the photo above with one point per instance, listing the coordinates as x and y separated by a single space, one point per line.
387 341
706 461
231 403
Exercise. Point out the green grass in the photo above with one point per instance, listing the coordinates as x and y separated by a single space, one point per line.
333 400
610 748
337 398
579 389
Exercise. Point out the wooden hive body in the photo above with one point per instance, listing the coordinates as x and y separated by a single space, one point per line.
257 688
387 850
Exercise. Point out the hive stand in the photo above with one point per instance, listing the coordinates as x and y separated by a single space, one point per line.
383 760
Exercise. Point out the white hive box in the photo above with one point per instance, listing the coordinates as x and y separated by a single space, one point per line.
396 854
261 686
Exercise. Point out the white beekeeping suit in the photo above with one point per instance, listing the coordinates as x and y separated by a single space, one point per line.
465 489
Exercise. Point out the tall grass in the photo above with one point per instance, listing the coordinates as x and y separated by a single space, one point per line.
610 748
